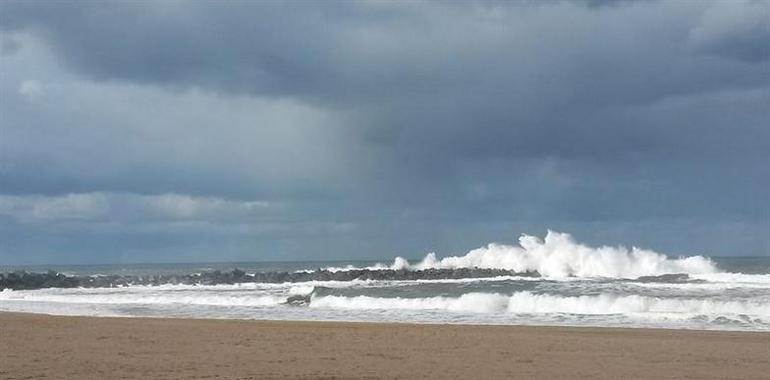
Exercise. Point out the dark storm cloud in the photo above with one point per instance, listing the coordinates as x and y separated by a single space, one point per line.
354 52
268 48
408 118
523 74
741 33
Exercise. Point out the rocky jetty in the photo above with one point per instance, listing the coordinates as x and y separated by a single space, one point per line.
672 278
30 280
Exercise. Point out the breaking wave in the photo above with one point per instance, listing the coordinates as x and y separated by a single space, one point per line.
529 303
559 256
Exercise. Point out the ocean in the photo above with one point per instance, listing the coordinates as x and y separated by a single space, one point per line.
562 283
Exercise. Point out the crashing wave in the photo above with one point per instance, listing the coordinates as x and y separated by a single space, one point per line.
559 256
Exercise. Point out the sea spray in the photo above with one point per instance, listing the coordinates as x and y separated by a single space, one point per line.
558 256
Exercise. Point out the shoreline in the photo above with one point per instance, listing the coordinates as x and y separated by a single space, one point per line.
171 348
407 323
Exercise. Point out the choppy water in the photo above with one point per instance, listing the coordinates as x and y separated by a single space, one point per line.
579 285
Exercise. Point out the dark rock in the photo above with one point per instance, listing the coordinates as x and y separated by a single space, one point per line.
299 300
667 278
24 280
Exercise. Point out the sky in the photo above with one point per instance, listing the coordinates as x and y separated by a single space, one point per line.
176 131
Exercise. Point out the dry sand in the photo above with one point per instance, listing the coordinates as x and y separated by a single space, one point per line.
39 346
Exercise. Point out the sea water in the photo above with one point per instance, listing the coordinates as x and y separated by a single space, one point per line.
577 285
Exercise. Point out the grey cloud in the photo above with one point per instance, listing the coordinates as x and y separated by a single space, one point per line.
610 3
353 52
738 30
420 123
128 207
69 139
8 46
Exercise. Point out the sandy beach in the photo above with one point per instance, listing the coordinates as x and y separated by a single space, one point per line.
58 347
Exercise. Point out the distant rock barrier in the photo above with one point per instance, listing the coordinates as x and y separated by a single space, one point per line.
21 280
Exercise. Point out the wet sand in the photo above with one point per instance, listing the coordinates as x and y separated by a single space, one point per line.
55 347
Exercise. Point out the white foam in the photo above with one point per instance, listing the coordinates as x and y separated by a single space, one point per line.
739 279
144 298
301 289
528 303
559 256
396 265
471 302
750 310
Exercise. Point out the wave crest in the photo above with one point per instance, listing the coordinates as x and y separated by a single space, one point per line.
526 302
558 255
